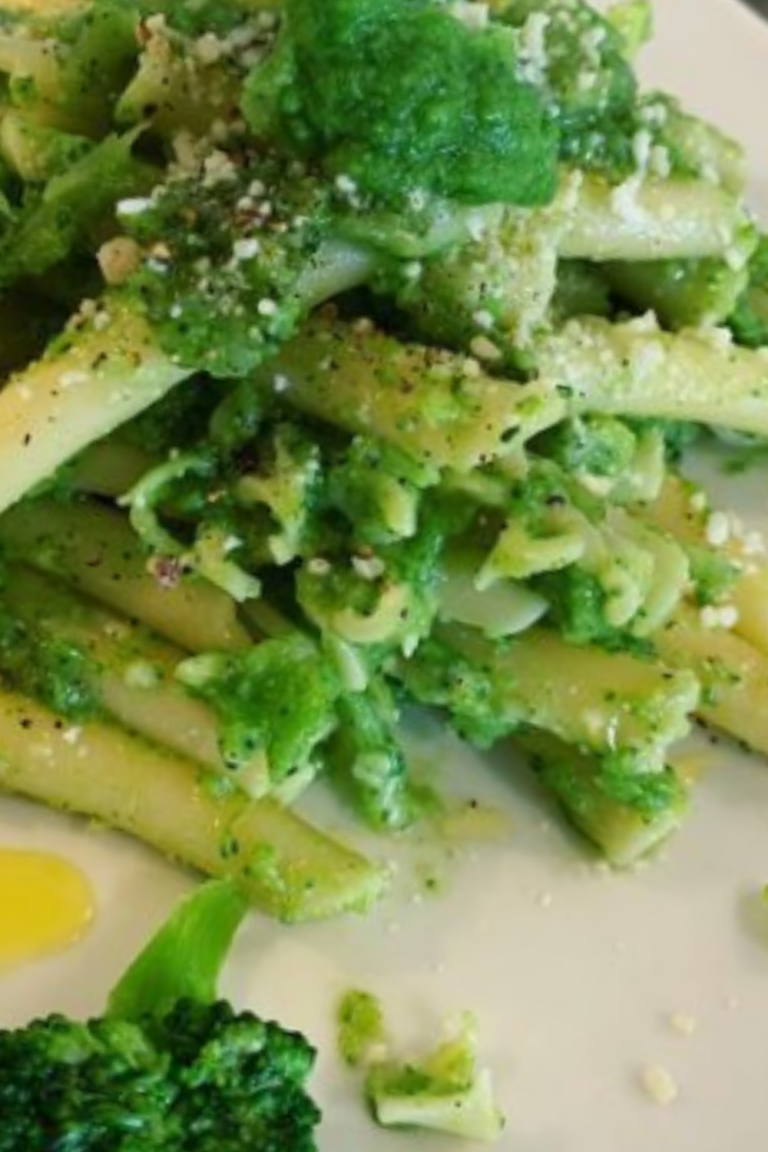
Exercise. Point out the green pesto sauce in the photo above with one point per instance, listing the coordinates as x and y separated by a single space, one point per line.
713 574
278 697
399 96
749 322
219 301
587 81
55 671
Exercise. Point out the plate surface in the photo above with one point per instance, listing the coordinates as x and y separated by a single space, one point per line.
575 973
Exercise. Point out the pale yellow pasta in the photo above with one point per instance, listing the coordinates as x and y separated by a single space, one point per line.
686 514
649 219
287 868
76 394
438 407
597 700
635 369
733 675
96 550
131 673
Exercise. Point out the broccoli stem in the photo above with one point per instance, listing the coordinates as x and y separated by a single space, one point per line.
287 868
184 957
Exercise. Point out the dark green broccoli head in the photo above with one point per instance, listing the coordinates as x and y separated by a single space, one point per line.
420 102
201 1077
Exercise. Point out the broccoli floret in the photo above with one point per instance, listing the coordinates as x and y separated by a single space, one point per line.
444 1092
201 1076
420 102
168 1065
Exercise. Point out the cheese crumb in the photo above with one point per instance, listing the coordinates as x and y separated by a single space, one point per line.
659 1084
718 529
683 1023
118 258
484 349
719 616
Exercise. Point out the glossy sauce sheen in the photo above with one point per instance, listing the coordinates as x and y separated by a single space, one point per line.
46 904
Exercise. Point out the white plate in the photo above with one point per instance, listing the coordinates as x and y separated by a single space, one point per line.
573 972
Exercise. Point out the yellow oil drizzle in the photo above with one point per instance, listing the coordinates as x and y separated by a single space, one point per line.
46 904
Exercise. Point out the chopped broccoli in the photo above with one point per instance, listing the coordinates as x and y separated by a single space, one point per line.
73 212
256 693
167 1066
362 1034
370 762
443 1091
53 669
420 102
577 606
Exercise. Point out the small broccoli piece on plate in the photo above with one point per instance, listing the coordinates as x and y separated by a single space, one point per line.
168 1065
444 1091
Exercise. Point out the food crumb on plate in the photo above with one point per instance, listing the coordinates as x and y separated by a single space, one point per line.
659 1084
683 1023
